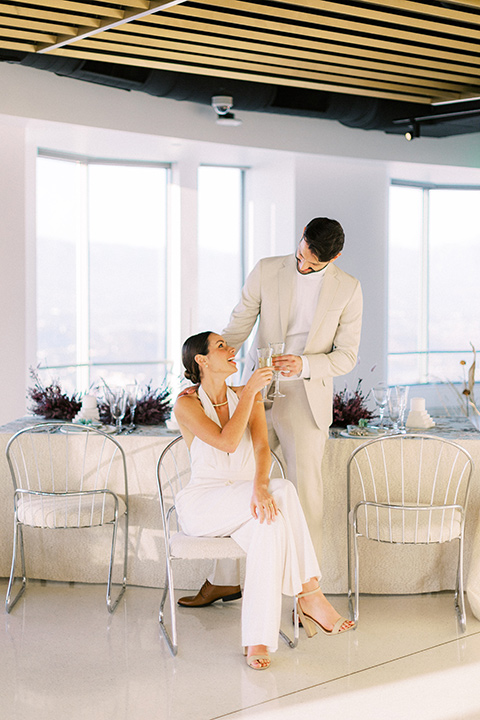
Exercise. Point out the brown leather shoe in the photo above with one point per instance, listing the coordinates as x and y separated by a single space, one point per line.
209 593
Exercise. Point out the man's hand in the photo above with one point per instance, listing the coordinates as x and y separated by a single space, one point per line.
288 365
188 391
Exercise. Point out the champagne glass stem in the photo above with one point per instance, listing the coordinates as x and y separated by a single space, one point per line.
264 360
277 383
278 348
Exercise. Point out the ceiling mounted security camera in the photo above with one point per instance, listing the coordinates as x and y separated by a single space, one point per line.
222 104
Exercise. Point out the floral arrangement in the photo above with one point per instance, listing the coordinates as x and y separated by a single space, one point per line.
469 382
464 397
153 408
50 401
350 407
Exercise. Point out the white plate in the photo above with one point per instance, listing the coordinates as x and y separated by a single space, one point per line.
79 427
370 434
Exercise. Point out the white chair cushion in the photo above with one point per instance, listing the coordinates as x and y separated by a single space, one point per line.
412 527
199 548
68 512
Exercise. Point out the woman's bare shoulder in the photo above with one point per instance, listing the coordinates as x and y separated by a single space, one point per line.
186 401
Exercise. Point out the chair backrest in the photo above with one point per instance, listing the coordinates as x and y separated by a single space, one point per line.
63 458
174 470
410 472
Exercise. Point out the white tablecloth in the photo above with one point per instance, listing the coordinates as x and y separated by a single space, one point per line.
82 554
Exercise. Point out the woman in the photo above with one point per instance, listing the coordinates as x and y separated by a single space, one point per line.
230 494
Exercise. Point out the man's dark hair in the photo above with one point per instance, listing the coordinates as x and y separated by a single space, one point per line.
324 237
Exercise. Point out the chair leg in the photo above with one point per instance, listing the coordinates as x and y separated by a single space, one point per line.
353 593
356 611
459 592
112 604
296 628
349 568
172 641
17 540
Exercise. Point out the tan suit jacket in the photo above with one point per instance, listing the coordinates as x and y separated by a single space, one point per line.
334 336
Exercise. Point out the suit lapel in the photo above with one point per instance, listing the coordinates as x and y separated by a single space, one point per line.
327 294
286 285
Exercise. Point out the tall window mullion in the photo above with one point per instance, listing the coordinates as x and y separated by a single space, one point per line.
423 341
82 287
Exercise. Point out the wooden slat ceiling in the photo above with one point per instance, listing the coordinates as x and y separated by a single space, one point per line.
407 50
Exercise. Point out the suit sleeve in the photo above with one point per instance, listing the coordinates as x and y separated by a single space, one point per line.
343 356
246 312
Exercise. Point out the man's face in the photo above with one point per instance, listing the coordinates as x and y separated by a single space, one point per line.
307 262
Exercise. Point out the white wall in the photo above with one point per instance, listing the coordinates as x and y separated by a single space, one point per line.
299 168
12 271
355 192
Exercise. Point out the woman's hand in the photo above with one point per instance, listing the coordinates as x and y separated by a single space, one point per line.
263 506
260 379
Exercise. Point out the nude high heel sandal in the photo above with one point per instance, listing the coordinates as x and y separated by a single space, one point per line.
310 624
255 658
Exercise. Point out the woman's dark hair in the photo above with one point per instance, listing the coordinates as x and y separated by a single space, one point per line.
194 345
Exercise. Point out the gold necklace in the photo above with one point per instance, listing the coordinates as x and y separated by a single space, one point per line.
219 404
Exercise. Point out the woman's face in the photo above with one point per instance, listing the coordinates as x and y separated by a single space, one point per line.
220 356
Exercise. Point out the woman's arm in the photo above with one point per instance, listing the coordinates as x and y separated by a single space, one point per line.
262 504
189 413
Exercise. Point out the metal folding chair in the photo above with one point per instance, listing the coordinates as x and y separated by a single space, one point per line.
61 476
407 489
173 473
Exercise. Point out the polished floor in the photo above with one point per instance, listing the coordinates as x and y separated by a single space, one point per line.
63 656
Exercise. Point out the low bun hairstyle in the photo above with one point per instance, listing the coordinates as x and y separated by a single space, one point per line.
194 345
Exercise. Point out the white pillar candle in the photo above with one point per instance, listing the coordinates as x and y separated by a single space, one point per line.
89 402
417 404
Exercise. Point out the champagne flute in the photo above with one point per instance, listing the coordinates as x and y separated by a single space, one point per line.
394 409
402 396
278 348
264 356
117 402
380 395
132 396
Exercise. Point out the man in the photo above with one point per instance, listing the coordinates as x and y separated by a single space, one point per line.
316 309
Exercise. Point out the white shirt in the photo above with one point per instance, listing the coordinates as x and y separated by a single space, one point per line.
302 311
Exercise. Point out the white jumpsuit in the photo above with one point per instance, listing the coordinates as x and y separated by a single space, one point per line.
216 503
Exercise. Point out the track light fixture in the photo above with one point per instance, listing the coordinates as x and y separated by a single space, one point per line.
222 104
413 131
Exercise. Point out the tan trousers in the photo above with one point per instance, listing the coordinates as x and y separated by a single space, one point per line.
291 425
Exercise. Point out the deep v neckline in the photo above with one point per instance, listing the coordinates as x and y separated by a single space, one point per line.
211 412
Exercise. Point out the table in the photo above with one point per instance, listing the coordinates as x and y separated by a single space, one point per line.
81 555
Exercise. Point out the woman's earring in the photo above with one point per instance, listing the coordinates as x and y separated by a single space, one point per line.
206 365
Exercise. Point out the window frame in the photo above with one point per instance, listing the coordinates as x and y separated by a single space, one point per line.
83 367
424 352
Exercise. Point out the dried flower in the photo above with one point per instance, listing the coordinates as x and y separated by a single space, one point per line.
469 382
153 408
50 401
349 408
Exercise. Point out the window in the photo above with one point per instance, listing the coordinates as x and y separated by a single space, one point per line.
220 244
101 270
434 256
